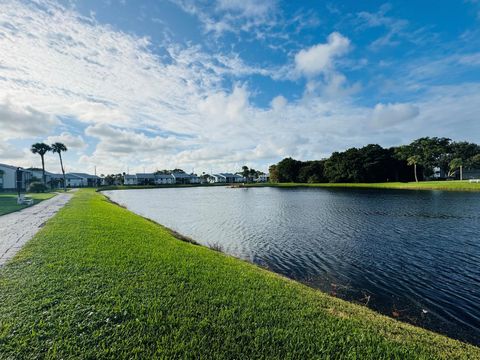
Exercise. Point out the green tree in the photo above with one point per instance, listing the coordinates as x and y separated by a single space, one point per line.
59 148
312 172
455 165
414 160
288 170
273 173
41 149
473 162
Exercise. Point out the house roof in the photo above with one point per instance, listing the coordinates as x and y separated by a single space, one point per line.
181 175
145 176
163 176
130 177
11 167
85 176
8 166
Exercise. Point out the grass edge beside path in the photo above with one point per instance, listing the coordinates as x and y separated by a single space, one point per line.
457 185
101 282
8 201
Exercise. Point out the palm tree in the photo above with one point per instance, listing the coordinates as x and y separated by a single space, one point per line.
59 148
41 149
414 160
455 164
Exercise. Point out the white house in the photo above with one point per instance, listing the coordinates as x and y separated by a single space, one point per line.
130 180
164 179
182 178
238 178
145 179
217 178
8 178
87 180
263 178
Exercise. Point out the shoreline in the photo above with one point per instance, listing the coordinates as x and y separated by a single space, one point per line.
457 185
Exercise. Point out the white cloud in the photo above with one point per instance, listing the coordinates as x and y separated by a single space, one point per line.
393 114
320 58
69 140
278 102
248 8
17 122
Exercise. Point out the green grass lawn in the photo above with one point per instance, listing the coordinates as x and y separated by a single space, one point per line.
8 202
422 185
101 282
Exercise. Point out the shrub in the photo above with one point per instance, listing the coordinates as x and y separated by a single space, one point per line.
36 187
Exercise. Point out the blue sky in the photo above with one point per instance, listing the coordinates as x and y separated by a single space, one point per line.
213 85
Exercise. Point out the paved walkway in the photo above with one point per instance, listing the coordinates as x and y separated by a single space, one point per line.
18 227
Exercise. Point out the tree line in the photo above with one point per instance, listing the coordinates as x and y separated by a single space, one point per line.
372 163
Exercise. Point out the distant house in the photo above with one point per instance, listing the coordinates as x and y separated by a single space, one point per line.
438 173
74 181
471 174
130 180
9 177
164 179
217 178
87 180
182 178
263 178
145 179
226 178
238 178
52 180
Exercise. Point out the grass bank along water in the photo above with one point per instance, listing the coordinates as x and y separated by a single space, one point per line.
422 185
101 282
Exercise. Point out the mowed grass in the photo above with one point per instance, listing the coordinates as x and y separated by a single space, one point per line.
99 282
422 185
8 202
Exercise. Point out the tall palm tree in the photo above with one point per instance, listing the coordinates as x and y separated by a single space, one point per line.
414 160
41 149
59 148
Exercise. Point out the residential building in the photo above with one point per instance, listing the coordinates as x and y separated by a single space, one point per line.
216 178
87 179
164 179
263 178
130 180
183 178
145 179
226 178
12 176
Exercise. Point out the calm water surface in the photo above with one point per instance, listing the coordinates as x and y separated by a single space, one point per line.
414 255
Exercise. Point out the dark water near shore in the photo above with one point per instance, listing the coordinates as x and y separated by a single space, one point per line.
414 255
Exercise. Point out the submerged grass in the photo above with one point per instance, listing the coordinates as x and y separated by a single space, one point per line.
101 282
8 202
422 185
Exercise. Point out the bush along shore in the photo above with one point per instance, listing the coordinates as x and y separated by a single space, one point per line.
101 282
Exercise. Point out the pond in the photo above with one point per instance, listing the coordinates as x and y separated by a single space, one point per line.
412 255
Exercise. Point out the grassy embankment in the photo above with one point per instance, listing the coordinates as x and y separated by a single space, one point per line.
422 185
8 202
101 282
